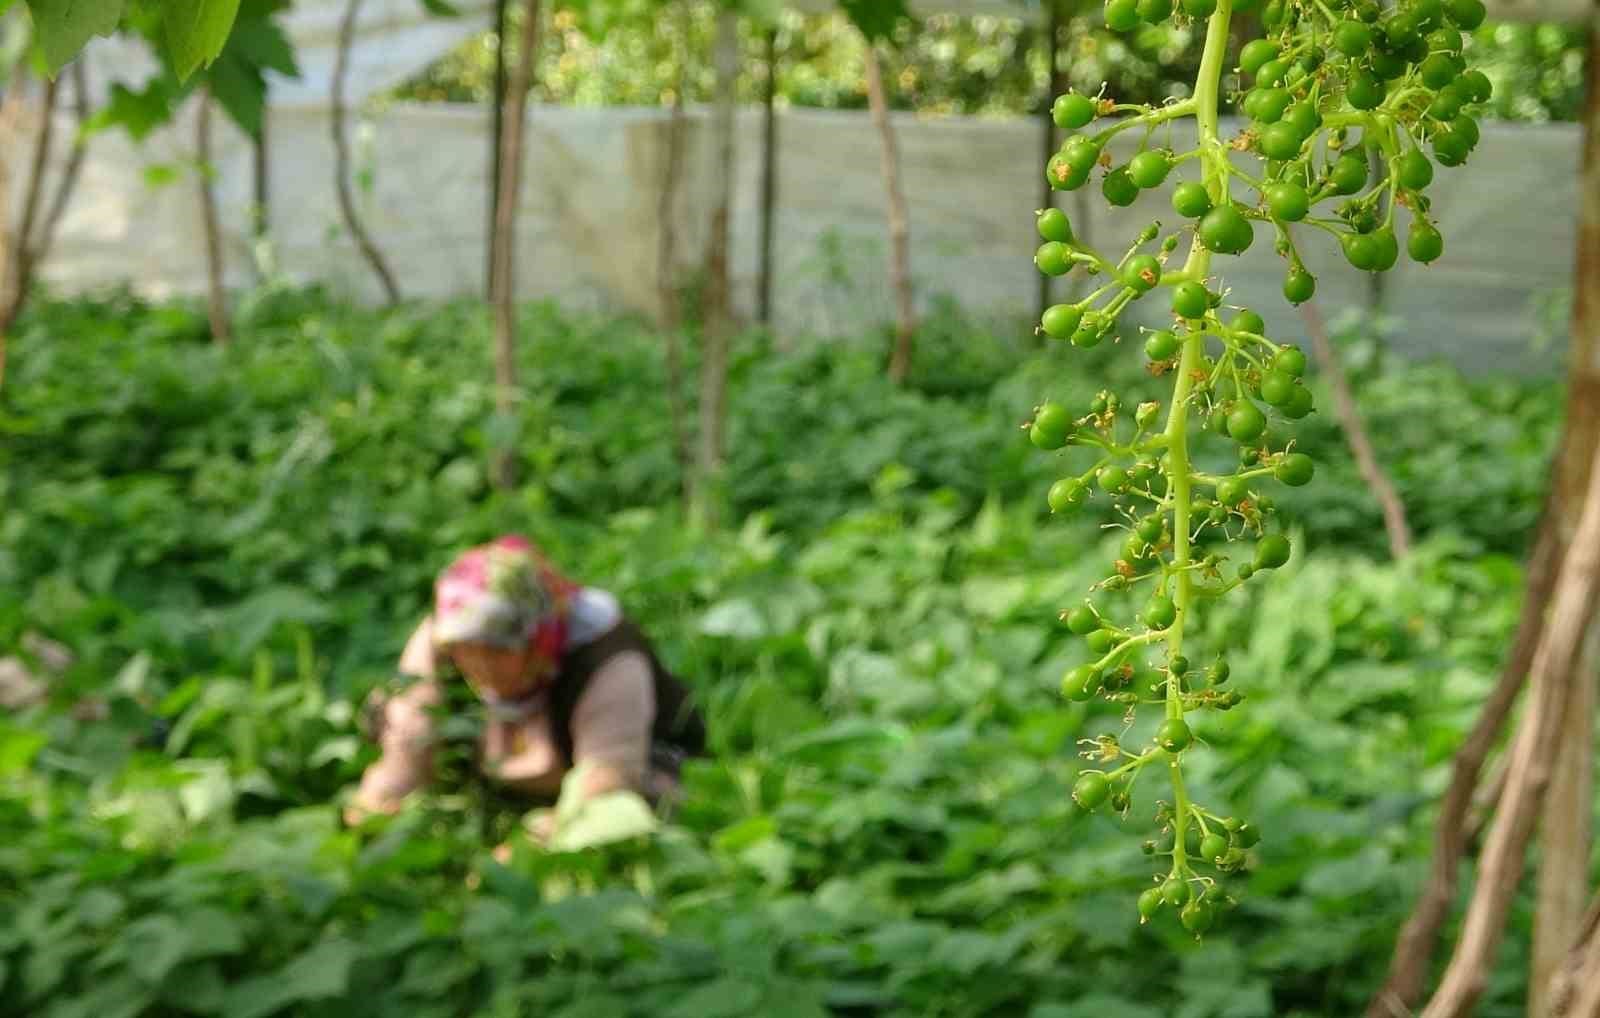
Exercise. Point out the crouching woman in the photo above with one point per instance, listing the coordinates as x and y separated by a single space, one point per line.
567 682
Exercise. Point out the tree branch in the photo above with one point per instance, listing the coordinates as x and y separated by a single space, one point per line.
1355 432
1533 756
217 303
899 221
69 175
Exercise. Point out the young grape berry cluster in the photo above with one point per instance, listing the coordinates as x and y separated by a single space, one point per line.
1345 99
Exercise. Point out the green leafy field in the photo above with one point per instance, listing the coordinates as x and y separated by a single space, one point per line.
235 543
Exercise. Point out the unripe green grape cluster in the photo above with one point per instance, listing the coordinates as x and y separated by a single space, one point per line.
1346 99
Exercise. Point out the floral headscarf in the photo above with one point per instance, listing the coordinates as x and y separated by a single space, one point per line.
503 594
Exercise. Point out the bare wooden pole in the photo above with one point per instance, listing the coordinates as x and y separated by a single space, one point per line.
496 131
719 312
505 226
341 157
898 220
666 262
769 177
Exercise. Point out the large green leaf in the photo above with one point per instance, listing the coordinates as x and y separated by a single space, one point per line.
877 19
195 31
64 26
155 944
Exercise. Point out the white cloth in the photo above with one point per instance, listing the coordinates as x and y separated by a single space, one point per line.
591 615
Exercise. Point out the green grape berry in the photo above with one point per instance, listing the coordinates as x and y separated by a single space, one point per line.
1190 200
1066 495
1352 38
1149 903
1288 201
1122 15
1272 551
1149 168
1295 469
1198 916
1423 242
1174 735
1255 53
1142 273
1072 111
1299 405
1100 641
1413 170
1213 847
1246 422
1159 612
1231 491
1112 478
1051 425
1053 258
1190 300
1299 285
1290 360
1149 529
1119 188
1060 321
1280 141
1175 891
1082 620
1348 174
1090 790
1054 225
1161 345
1081 683
1225 231
1248 321
1277 388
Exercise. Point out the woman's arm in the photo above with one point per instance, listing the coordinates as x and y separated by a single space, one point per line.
611 725
406 735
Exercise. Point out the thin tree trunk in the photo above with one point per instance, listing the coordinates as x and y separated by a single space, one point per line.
666 268
899 225
18 277
769 178
1566 827
1565 834
45 236
719 312
1572 612
1047 133
502 291
1355 432
10 114
1580 435
260 179
341 157
217 298
496 139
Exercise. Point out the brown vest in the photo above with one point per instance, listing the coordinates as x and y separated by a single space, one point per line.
679 730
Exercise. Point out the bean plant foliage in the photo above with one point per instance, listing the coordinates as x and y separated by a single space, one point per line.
1345 101
234 543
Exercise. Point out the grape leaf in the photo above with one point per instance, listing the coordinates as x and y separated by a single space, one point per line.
64 26
196 31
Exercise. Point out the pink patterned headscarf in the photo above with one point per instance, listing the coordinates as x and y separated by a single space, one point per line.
503 594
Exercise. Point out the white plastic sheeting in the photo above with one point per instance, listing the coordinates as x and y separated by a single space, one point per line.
589 228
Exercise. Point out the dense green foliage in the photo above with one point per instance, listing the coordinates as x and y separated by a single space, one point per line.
941 64
237 541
